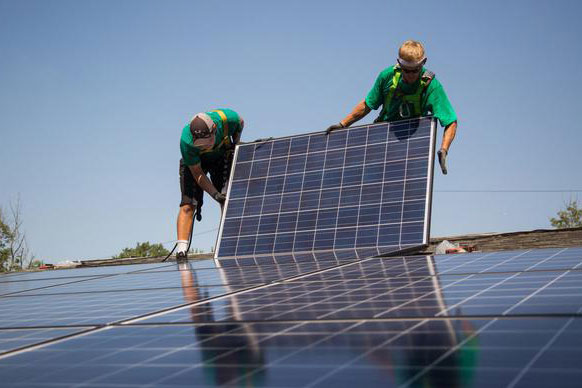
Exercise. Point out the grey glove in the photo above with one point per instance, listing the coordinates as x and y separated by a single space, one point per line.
219 197
334 127
443 160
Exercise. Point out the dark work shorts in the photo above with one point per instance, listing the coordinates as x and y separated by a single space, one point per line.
192 194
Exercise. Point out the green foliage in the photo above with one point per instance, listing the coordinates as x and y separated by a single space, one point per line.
5 237
143 250
571 217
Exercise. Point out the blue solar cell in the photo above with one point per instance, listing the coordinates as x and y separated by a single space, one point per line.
278 166
263 151
345 238
271 204
312 180
375 153
299 145
307 220
260 168
371 194
347 216
245 154
334 159
310 200
357 137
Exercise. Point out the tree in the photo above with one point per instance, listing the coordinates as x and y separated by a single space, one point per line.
143 250
571 217
14 251
5 236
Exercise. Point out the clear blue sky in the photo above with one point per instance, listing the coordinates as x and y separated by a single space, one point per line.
94 94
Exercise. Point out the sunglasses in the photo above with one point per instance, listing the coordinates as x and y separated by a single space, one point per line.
411 71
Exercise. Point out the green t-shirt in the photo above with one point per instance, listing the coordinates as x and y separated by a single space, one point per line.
435 99
193 155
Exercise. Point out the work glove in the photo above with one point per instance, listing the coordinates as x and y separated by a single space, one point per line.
334 127
219 197
443 160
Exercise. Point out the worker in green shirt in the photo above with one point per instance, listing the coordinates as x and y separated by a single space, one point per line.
408 90
206 144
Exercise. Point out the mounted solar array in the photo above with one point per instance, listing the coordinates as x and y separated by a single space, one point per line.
508 319
297 298
363 190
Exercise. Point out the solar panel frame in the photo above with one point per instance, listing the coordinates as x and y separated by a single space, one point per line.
300 160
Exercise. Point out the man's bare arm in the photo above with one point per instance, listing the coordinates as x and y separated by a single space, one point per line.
202 180
449 135
359 112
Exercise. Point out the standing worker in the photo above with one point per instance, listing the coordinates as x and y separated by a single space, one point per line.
408 90
207 144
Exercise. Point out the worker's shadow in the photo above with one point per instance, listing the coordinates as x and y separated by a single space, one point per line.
402 131
229 350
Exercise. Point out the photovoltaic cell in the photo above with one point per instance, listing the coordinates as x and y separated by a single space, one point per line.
364 188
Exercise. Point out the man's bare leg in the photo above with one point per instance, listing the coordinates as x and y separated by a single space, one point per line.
184 225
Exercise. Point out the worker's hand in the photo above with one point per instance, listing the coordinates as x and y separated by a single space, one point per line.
443 160
334 127
219 197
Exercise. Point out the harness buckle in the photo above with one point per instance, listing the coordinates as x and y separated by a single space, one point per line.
404 105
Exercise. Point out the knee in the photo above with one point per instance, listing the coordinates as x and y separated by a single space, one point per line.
187 210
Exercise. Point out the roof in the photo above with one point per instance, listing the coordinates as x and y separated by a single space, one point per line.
540 238
485 242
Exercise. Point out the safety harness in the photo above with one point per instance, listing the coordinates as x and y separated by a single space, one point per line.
407 101
226 141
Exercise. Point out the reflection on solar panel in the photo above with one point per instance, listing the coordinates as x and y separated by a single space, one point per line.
365 190
503 319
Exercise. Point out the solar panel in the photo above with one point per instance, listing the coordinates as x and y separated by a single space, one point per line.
364 190
481 319
524 352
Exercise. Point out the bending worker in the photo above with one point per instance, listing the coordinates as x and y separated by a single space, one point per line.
408 90
206 144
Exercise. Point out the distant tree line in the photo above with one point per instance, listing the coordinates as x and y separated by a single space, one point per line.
145 249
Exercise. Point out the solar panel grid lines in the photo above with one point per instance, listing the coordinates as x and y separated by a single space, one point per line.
300 354
311 192
38 281
486 294
552 259
360 284
542 350
11 340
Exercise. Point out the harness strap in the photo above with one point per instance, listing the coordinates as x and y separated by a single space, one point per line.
415 99
226 138
226 141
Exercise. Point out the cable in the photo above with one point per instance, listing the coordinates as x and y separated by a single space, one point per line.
189 240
